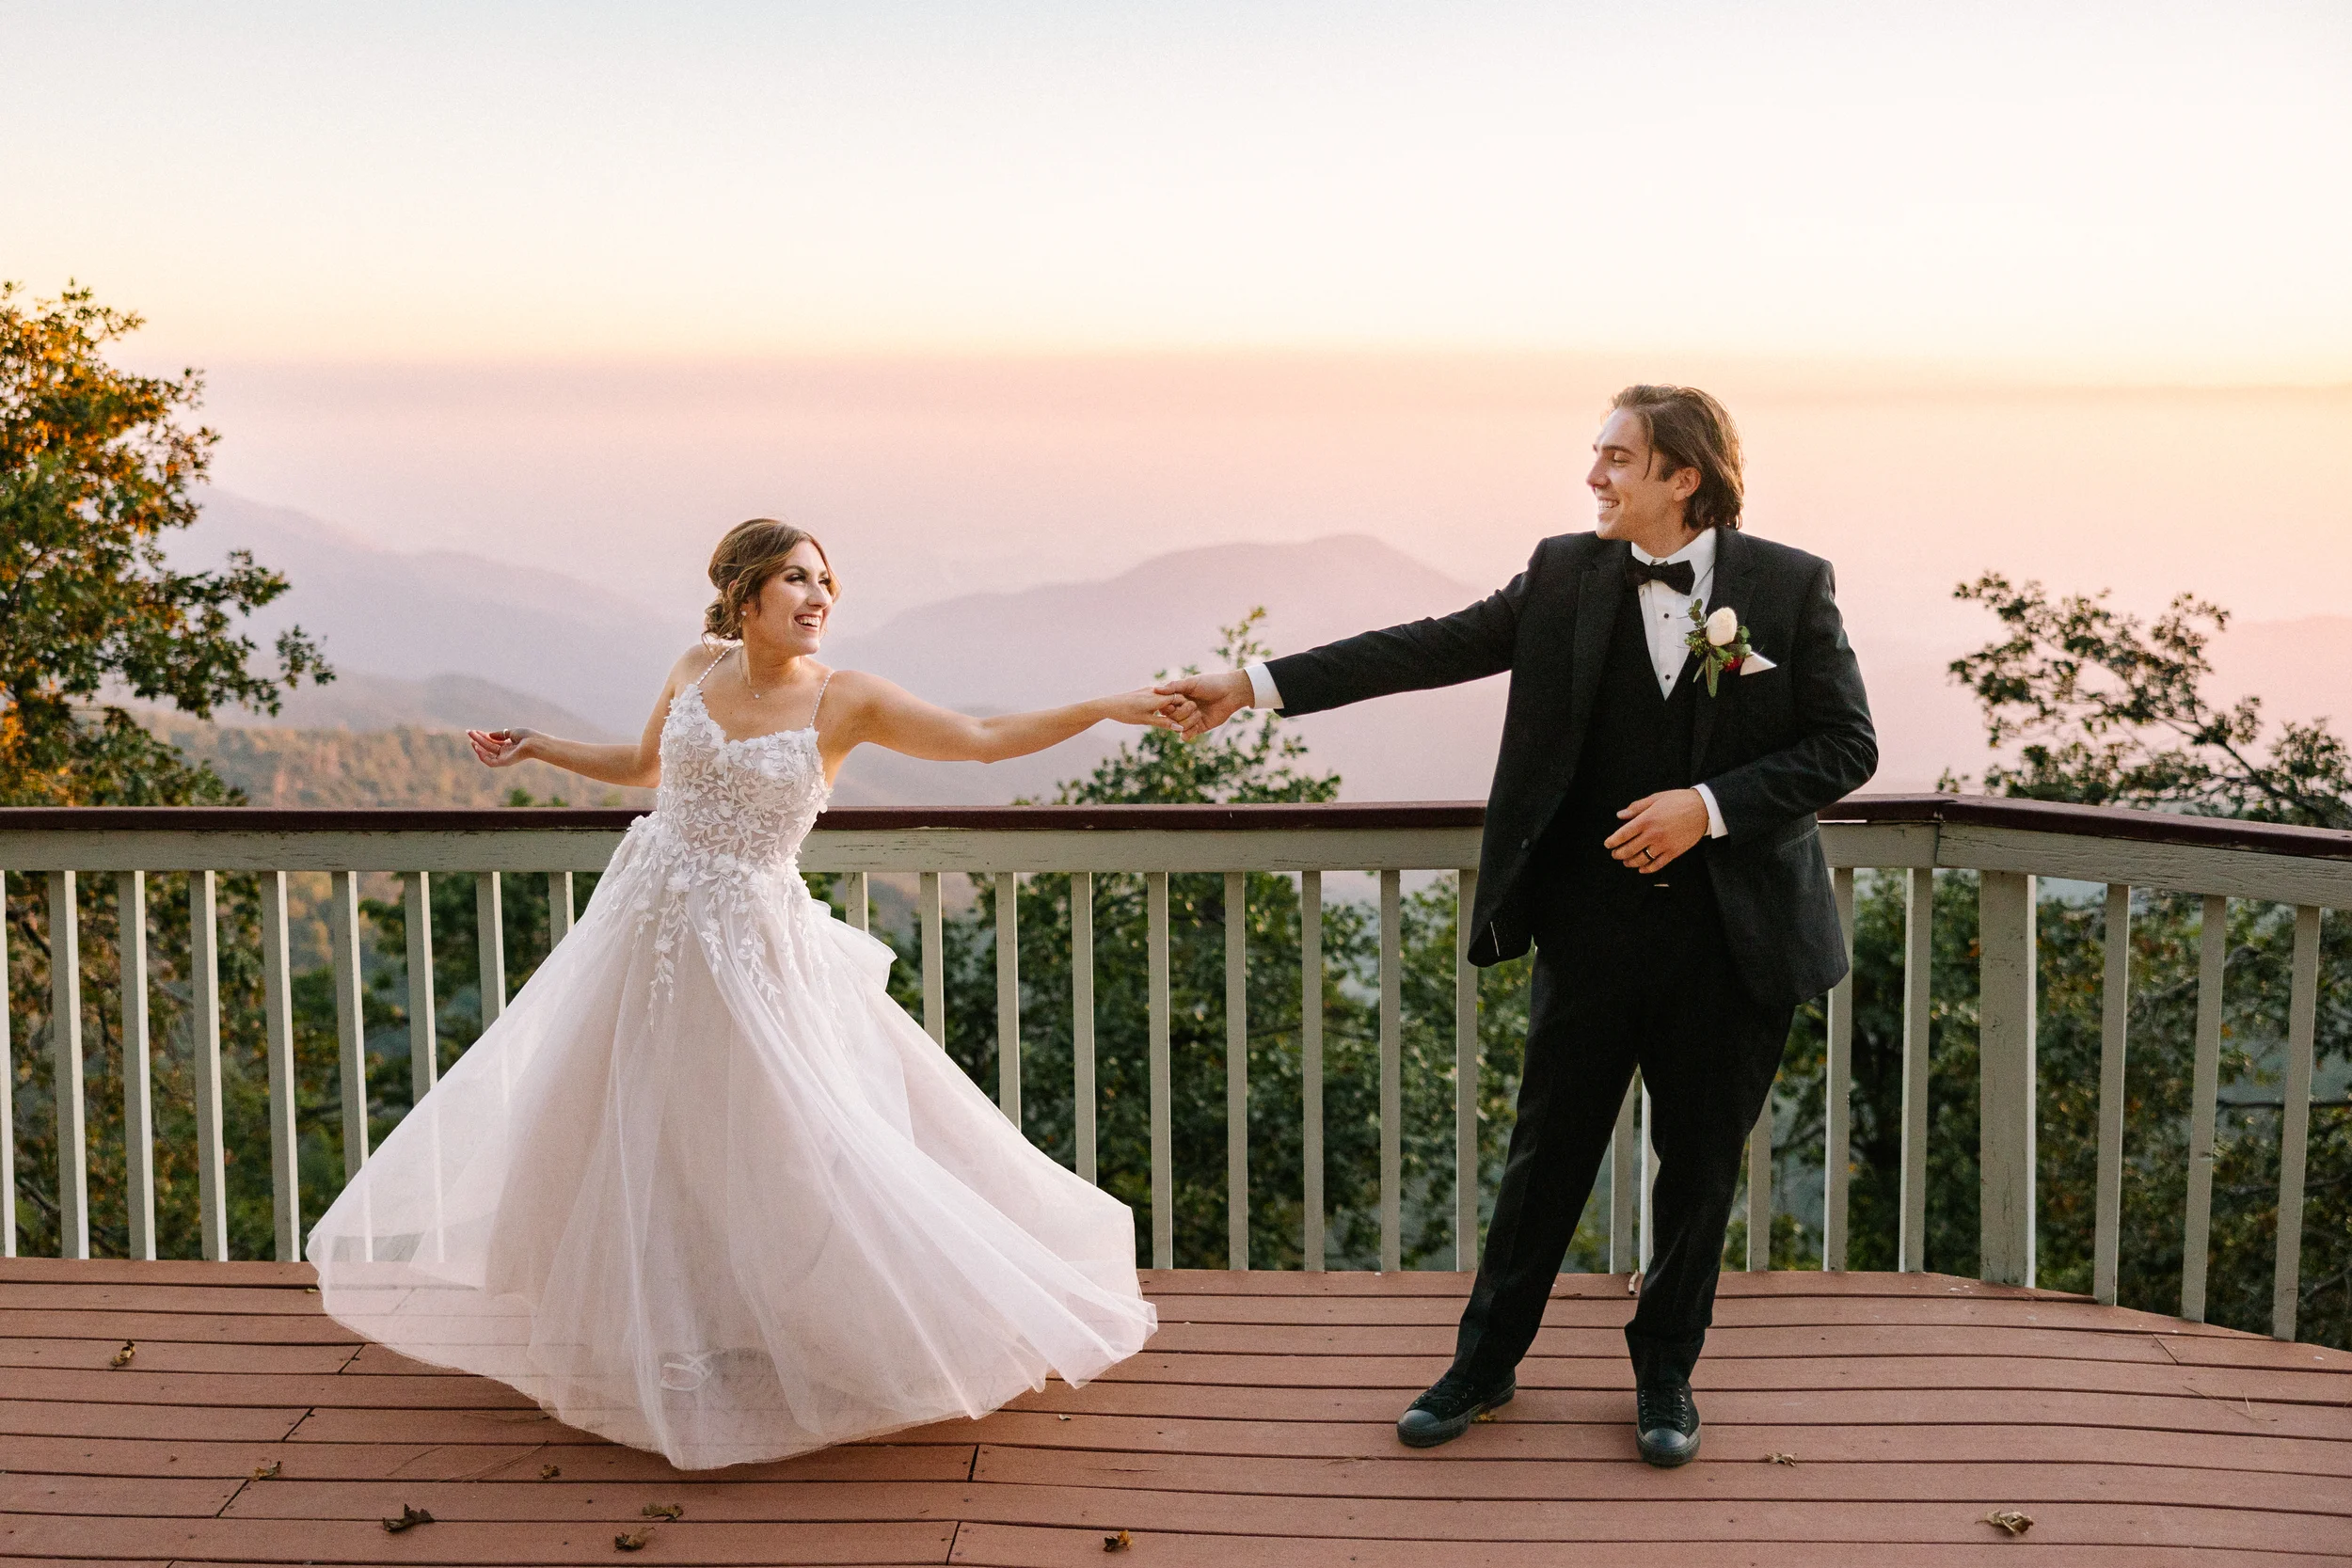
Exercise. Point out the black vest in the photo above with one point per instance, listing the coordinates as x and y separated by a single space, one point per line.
1638 743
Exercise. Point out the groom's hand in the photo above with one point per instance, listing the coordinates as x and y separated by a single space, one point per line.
1659 827
1215 699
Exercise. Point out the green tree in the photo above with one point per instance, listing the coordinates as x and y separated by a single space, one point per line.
96 467
2094 706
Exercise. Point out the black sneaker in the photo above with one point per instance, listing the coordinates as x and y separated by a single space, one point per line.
1446 1411
1666 1422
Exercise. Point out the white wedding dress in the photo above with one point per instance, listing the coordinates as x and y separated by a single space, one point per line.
706 1189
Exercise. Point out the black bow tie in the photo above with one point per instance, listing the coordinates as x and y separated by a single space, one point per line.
1675 575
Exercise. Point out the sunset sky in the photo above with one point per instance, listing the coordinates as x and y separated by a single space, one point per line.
2104 191
996 294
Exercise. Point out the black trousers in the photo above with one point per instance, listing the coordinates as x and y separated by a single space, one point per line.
1627 974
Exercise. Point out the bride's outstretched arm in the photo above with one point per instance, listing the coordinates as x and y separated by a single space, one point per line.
633 764
874 711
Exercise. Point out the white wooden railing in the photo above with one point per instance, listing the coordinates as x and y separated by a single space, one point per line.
2009 844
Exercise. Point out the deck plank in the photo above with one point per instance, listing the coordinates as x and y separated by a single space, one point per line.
1616 1478
1254 1430
984 1545
289 1541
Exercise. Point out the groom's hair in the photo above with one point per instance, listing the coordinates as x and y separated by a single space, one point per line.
1689 430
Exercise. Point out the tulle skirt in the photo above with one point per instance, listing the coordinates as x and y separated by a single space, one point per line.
706 1190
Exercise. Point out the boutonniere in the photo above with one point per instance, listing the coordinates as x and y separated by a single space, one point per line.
1721 642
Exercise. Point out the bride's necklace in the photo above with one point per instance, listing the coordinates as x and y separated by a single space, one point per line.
756 696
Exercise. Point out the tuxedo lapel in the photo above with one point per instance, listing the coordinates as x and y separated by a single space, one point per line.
1598 595
1731 587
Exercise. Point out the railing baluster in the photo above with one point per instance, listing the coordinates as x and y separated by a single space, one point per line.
285 1184
1465 1075
343 938
2205 1091
859 897
1648 1144
1838 1089
2005 1031
1911 1240
1624 1199
1311 1062
1081 1013
211 1183
1009 995
65 1044
1236 1070
8 1091
489 941
2114 1025
1392 1071
1759 1257
425 1040
1163 1169
934 957
2294 1121
560 907
138 1112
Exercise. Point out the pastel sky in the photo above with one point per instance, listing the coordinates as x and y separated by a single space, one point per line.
1001 293
2133 192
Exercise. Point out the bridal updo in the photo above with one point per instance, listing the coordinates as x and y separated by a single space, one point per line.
750 554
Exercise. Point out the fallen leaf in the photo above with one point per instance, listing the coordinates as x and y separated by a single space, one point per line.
633 1541
548 1472
262 1472
409 1519
1483 1416
1780 1458
1062 1417
1634 1283
1119 1542
2010 1520
123 1357
664 1510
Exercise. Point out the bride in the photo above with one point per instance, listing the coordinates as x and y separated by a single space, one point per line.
704 1188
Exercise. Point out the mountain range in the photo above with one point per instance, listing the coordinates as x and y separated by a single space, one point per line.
439 641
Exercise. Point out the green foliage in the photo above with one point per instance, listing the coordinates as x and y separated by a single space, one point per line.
94 469
2106 711
2109 712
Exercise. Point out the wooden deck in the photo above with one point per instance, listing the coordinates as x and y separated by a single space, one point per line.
1254 1431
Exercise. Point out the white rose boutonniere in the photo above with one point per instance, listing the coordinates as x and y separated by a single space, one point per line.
1719 640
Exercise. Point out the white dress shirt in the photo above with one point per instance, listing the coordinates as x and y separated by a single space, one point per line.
1666 625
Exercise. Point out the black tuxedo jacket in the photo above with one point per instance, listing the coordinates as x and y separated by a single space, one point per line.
1774 747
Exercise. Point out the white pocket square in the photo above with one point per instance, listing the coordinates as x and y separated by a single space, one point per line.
1755 664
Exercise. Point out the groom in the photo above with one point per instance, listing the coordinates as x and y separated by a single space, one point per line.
1650 829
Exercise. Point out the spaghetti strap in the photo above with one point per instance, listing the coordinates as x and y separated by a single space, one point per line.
820 699
709 667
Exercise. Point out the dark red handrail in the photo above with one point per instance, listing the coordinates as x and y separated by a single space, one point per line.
2104 822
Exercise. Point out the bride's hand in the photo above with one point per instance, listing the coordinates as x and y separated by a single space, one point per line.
1147 706
500 747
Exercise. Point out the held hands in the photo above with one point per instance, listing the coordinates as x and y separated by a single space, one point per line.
499 748
1208 701
1658 828
1147 706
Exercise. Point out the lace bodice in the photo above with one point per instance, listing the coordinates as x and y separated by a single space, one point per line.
724 836
726 806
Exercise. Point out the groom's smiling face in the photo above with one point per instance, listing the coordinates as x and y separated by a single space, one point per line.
1637 499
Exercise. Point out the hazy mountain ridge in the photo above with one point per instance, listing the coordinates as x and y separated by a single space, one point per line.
418 616
403 766
444 641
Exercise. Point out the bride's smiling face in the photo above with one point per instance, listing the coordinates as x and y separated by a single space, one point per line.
788 616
